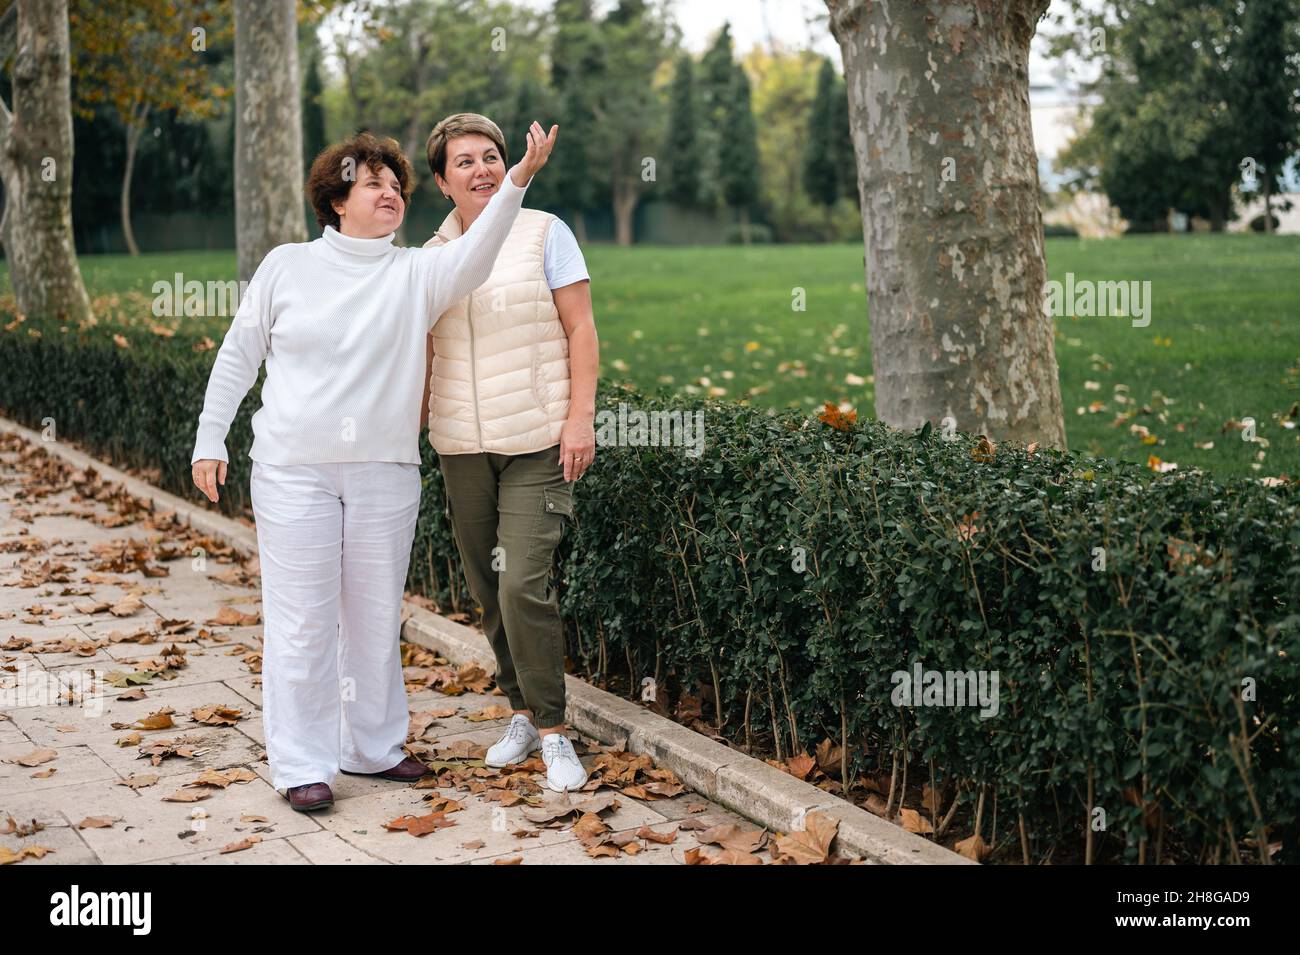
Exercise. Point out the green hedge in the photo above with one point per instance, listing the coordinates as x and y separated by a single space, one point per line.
1123 683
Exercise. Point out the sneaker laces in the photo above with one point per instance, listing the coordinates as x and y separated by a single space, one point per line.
516 731
556 749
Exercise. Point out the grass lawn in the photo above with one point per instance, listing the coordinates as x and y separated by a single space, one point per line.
1223 343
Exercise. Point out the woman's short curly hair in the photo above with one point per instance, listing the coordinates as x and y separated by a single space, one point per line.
332 176
455 126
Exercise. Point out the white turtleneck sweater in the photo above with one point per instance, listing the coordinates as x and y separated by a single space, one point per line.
341 323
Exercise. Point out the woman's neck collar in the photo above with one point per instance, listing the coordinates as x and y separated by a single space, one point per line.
358 246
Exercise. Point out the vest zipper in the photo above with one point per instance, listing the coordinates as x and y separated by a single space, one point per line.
473 370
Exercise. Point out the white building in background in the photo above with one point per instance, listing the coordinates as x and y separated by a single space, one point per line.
1057 114
1252 205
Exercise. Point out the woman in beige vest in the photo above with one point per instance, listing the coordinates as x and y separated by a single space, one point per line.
510 398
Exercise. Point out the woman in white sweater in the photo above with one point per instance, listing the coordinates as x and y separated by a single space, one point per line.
341 322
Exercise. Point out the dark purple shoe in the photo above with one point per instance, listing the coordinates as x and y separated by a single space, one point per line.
310 796
408 770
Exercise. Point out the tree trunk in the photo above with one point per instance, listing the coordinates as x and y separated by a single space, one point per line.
1218 216
411 146
36 164
268 131
133 132
1268 202
744 225
580 227
939 109
625 200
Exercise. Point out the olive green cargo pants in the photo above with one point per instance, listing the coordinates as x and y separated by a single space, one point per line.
508 514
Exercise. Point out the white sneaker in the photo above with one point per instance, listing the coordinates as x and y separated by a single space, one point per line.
519 740
563 769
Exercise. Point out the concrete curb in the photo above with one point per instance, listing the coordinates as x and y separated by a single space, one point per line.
748 786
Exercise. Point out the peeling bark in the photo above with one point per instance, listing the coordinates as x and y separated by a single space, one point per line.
36 164
948 180
268 131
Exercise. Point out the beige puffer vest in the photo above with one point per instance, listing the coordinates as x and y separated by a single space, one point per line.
500 377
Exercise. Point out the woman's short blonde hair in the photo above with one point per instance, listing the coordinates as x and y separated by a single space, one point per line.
455 126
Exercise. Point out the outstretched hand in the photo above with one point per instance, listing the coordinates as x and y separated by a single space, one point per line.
539 150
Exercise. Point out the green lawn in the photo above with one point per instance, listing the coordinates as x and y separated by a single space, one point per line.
1223 343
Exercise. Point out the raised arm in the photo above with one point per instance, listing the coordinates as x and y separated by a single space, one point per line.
462 265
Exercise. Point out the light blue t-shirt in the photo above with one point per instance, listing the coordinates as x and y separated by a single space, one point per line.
563 262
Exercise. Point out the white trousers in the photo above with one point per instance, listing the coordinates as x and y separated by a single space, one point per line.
334 542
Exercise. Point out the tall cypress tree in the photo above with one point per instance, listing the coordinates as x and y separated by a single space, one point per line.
716 73
714 86
738 155
683 140
821 173
575 63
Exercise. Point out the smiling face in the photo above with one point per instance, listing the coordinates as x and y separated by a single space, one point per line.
474 170
373 207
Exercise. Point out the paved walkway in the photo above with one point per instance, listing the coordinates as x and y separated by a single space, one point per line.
131 730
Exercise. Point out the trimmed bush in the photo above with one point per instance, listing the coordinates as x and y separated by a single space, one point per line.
1143 629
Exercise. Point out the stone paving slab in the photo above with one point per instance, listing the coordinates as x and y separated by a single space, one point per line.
73 764
66 845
